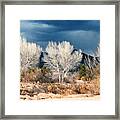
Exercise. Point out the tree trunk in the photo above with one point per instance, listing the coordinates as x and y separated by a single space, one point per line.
59 75
59 78
62 76
65 74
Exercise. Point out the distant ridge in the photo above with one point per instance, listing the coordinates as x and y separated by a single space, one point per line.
88 60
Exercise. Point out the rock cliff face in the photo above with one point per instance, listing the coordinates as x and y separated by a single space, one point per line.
89 60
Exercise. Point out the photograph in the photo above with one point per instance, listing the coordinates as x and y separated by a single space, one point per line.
60 59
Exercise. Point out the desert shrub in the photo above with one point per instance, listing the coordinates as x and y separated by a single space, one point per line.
87 73
97 71
45 70
63 89
45 76
42 75
93 87
90 87
82 72
93 72
30 75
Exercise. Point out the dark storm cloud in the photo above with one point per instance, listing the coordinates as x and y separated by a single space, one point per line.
83 34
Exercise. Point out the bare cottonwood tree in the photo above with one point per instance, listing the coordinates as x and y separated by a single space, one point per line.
93 62
29 53
97 51
61 58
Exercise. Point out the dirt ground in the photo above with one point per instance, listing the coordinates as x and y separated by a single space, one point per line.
44 96
42 91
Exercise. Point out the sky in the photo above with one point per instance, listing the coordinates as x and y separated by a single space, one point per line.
82 34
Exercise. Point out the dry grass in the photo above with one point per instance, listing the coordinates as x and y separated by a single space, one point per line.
56 90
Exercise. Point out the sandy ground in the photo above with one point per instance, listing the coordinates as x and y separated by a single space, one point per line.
43 96
82 97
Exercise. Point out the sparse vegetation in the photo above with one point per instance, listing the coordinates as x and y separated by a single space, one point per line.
56 79
58 89
82 71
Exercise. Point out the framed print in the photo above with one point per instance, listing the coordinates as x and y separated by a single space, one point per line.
59 59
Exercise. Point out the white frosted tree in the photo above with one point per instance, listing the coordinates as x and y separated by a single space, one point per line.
97 52
61 58
95 55
29 54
